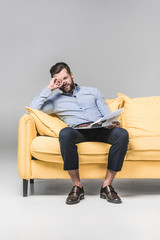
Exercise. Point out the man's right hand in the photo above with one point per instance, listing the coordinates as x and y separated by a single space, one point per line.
55 83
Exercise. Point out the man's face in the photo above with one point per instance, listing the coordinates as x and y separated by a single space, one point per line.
67 79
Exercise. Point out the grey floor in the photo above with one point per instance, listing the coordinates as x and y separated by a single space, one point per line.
45 215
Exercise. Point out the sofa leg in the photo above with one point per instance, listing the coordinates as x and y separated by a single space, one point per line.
31 180
25 187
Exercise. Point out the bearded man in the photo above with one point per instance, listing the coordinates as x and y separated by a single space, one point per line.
77 106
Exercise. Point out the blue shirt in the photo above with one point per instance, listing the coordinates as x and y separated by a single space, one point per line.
85 104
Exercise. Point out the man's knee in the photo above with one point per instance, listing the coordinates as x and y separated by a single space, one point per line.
124 136
67 133
122 133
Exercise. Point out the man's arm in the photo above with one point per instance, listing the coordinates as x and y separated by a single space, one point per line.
104 109
41 102
101 103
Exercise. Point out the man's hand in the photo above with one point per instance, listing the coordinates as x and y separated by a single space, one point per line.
114 124
55 83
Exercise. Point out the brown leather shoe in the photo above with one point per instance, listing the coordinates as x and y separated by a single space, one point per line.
109 194
75 195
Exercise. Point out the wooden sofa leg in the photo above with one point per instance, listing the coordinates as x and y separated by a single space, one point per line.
31 180
25 187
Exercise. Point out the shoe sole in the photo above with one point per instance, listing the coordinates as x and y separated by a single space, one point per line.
105 197
74 202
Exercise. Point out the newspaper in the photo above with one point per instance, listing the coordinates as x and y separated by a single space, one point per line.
104 121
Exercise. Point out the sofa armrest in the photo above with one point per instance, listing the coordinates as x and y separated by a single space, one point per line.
26 133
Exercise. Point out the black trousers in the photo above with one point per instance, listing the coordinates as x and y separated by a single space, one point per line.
118 137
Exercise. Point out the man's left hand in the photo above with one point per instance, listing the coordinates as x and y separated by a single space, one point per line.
114 124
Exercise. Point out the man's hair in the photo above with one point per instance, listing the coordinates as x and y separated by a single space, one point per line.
58 67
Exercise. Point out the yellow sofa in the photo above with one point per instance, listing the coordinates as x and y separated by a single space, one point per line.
39 154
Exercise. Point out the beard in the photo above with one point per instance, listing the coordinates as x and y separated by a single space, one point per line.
68 88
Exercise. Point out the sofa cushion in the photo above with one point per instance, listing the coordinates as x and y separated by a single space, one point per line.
144 143
147 155
47 124
141 116
115 104
47 148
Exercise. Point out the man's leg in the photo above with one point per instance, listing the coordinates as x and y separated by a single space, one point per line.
110 175
68 137
74 174
118 138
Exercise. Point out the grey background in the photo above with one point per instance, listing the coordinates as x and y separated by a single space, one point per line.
112 45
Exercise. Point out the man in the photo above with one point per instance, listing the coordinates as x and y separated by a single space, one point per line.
77 106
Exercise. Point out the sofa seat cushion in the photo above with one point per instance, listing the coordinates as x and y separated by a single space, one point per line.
144 143
141 116
146 155
47 148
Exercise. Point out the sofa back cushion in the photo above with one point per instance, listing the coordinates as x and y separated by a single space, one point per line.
115 104
141 115
47 124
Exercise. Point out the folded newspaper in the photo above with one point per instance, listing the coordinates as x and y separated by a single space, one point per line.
104 121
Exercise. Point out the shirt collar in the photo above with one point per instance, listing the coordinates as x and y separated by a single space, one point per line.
77 88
